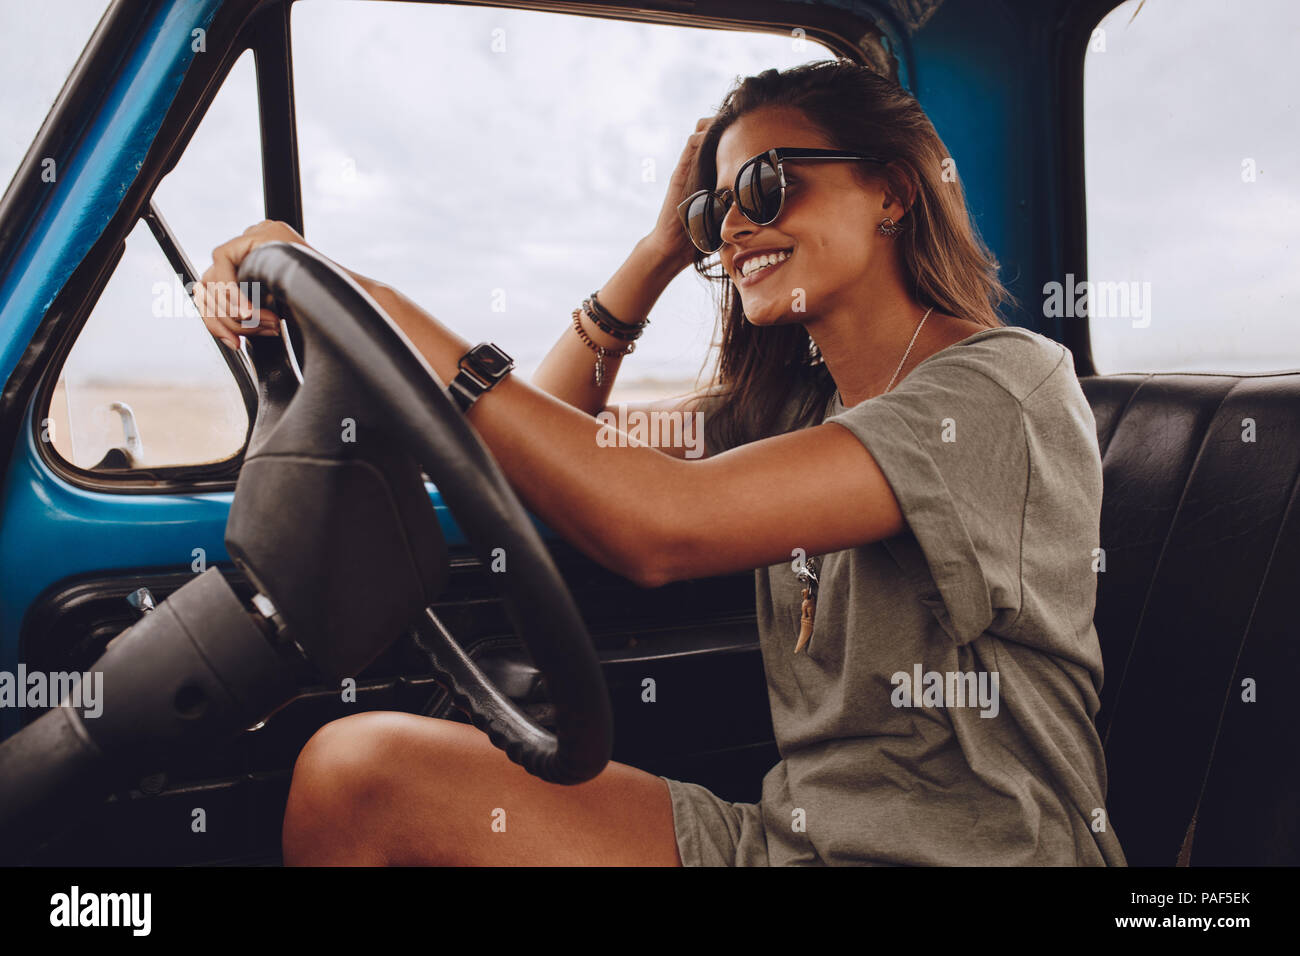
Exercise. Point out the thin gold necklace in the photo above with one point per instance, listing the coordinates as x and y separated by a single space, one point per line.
903 362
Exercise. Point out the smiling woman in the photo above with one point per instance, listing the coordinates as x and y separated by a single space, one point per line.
906 170
936 513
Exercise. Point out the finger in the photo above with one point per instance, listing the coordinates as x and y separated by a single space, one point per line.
216 311
693 143
212 306
232 306
231 303
207 297
224 276
207 311
225 259
231 326
196 297
253 315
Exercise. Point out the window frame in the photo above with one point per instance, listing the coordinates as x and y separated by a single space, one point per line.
1072 50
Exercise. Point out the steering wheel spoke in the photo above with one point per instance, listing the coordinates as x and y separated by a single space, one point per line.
491 711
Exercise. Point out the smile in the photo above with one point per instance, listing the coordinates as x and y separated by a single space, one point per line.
757 267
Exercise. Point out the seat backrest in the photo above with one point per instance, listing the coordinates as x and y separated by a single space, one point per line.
1200 529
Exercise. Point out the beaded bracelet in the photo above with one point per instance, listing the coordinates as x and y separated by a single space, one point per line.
605 320
600 350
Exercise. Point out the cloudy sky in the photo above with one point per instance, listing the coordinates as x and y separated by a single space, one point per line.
1179 104
497 166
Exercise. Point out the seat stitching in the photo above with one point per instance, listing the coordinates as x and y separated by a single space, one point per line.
1155 573
1114 427
1241 647
1114 423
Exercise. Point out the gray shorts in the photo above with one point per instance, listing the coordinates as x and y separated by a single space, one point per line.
714 832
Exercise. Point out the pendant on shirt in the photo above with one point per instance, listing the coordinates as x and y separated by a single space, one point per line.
807 573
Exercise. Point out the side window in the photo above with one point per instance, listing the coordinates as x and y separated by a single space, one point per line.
498 165
145 385
1193 198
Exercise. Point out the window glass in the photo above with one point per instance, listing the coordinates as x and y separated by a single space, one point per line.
497 165
144 384
1193 192
215 191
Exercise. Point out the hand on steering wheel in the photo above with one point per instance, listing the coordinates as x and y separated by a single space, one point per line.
226 309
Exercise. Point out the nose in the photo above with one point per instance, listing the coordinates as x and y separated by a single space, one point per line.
734 223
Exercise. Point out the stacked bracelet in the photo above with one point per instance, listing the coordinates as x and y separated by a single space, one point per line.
604 320
600 351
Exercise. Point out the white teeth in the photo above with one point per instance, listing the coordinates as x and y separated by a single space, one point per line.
762 262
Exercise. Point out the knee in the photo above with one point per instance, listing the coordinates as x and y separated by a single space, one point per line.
337 778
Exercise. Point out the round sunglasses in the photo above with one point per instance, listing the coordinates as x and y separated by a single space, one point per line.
759 192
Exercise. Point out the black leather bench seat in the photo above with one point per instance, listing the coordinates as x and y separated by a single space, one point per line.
1201 531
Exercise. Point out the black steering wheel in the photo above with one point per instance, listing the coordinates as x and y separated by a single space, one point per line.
332 523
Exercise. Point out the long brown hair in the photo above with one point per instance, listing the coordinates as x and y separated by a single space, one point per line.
943 257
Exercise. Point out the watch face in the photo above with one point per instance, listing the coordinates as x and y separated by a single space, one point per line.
491 360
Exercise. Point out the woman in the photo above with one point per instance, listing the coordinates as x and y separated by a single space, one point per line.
917 484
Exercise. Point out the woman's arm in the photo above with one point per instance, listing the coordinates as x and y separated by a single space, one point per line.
654 518
567 372
645 515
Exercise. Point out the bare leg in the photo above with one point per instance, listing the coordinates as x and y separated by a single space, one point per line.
391 788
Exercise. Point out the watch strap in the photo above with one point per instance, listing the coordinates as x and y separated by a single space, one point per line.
465 390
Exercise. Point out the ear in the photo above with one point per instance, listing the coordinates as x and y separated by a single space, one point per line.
902 186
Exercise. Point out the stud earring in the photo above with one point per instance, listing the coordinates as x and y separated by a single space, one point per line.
889 228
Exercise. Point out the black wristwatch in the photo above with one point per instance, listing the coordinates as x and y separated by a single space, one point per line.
480 368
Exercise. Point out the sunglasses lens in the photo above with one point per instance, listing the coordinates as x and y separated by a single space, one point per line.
759 192
704 222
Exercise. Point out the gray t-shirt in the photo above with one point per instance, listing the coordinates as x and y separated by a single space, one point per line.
942 712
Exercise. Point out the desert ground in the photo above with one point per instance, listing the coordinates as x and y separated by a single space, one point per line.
186 426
